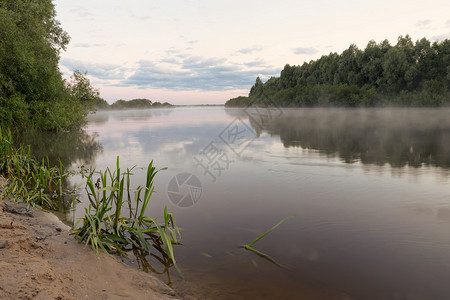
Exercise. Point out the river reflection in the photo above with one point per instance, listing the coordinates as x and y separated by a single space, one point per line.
72 147
396 136
369 188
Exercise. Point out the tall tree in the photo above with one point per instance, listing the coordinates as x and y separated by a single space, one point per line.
32 89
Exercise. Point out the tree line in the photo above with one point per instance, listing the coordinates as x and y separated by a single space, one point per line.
406 74
132 104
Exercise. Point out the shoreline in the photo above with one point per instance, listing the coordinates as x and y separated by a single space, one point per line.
40 260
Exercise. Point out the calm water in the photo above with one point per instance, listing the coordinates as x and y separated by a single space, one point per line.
370 190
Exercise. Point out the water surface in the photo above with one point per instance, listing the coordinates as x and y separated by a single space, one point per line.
369 188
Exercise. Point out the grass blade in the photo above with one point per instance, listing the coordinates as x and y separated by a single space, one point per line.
270 230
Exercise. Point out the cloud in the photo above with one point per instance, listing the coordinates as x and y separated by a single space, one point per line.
193 42
255 63
178 72
249 50
171 60
82 13
86 45
447 23
423 23
197 73
172 51
199 62
440 37
305 50
97 70
145 18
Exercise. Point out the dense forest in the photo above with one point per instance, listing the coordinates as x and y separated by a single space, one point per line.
407 74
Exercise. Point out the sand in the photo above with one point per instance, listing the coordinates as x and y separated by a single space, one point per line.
40 260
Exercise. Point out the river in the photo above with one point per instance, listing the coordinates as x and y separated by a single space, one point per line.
369 190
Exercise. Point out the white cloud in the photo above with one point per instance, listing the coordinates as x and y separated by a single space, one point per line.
305 50
250 50
100 71
423 23
440 37
198 73
87 45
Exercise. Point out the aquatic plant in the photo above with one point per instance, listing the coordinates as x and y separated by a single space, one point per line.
36 183
104 225
263 255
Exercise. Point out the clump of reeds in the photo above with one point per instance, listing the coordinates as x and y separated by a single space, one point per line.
104 225
36 183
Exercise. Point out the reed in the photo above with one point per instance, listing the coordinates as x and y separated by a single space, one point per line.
261 254
104 225
36 183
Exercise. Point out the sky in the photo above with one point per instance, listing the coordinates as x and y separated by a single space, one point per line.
206 52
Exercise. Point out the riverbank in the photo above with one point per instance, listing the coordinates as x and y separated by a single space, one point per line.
40 260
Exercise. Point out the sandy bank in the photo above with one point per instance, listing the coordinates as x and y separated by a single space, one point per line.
39 260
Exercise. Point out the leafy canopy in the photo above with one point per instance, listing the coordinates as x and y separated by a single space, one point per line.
411 74
33 92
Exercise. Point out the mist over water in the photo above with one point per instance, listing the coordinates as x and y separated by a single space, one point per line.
396 136
369 188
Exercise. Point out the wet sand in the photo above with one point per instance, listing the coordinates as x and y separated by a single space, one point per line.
40 260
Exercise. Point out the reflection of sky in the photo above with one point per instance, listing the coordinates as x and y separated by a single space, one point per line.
170 140
381 226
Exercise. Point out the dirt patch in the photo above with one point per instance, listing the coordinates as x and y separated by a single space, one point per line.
40 260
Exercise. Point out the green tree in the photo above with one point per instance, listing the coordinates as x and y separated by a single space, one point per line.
404 74
32 89
81 89
257 87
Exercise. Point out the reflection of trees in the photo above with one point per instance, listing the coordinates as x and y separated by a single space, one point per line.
73 147
69 147
374 136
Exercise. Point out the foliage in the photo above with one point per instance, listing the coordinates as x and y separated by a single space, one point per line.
407 74
161 105
137 103
33 92
36 183
104 225
42 185
81 90
263 255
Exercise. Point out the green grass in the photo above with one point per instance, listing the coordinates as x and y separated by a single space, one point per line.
104 225
36 183
261 254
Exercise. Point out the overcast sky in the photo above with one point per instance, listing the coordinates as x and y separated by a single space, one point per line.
191 52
